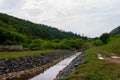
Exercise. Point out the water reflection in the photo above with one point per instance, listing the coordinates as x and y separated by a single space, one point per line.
52 72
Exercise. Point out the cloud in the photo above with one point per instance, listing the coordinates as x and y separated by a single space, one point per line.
90 17
10 4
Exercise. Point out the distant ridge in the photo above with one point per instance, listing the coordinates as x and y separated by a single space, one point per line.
115 31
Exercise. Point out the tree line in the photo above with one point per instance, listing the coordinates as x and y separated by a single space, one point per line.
15 31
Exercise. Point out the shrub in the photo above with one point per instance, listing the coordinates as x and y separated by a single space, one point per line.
98 42
104 37
37 44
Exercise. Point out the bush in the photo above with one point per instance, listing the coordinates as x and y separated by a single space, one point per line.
98 42
75 43
11 38
37 44
64 44
104 37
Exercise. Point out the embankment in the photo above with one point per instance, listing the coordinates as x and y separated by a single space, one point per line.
24 68
72 66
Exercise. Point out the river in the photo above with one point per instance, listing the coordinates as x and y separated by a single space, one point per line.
53 71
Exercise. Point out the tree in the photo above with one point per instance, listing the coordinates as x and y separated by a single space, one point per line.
104 37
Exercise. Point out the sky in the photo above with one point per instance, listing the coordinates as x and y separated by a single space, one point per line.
88 17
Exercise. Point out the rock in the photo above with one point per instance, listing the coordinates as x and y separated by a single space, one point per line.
20 64
68 69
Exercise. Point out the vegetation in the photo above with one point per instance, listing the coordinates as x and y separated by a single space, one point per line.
8 55
14 31
19 31
94 69
74 43
104 38
115 31
112 47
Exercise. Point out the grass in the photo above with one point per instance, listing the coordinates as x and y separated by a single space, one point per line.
94 69
8 55
113 47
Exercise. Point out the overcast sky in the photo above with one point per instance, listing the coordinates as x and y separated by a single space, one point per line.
89 17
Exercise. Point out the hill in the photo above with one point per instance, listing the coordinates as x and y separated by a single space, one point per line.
14 30
115 31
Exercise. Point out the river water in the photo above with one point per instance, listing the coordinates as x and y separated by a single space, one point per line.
53 71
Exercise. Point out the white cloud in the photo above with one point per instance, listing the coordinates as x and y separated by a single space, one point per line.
91 17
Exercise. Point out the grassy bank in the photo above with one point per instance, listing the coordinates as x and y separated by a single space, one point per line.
94 69
8 55
112 48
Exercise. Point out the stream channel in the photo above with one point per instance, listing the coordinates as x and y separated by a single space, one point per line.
53 71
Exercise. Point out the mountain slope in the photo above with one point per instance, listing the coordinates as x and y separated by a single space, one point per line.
115 31
32 29
16 30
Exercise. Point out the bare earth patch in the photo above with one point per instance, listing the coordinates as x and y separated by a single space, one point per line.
114 59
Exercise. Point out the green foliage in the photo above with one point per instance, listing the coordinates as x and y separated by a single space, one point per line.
98 42
37 44
19 31
94 69
10 37
104 37
52 44
34 30
113 47
71 43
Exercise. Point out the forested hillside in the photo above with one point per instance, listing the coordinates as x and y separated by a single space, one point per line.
115 31
14 30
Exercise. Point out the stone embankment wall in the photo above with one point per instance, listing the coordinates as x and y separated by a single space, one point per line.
21 64
11 48
73 65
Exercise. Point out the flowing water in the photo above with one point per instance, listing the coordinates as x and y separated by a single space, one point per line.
53 71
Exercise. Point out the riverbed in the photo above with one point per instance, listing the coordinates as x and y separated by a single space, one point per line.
53 71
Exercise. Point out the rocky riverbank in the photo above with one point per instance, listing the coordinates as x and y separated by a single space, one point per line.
72 66
24 68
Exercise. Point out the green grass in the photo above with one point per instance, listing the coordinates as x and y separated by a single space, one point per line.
94 69
8 55
113 47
